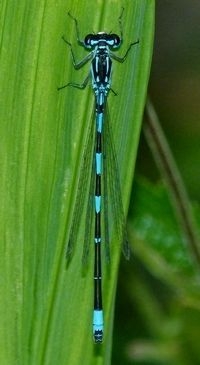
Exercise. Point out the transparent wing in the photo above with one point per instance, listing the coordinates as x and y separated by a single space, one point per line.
90 211
85 178
111 195
114 195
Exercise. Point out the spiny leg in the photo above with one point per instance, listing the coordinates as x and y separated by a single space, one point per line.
77 86
123 58
120 24
81 63
81 42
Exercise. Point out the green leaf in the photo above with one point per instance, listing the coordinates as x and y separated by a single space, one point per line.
155 224
46 309
162 290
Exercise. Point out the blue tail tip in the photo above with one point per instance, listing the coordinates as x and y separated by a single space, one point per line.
98 336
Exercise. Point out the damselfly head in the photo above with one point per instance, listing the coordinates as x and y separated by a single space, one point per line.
95 40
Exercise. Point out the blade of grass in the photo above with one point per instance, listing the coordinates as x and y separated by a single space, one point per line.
171 176
46 309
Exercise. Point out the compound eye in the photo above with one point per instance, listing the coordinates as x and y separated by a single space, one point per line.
89 40
116 40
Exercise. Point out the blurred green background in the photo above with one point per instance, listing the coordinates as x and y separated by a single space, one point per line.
157 317
175 86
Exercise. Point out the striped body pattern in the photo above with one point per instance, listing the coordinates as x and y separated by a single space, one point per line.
101 72
100 45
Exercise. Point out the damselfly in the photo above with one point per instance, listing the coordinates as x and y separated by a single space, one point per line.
100 45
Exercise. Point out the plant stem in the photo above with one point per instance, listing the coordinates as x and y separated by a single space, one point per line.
169 171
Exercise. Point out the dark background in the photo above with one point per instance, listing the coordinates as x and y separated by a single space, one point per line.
174 88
